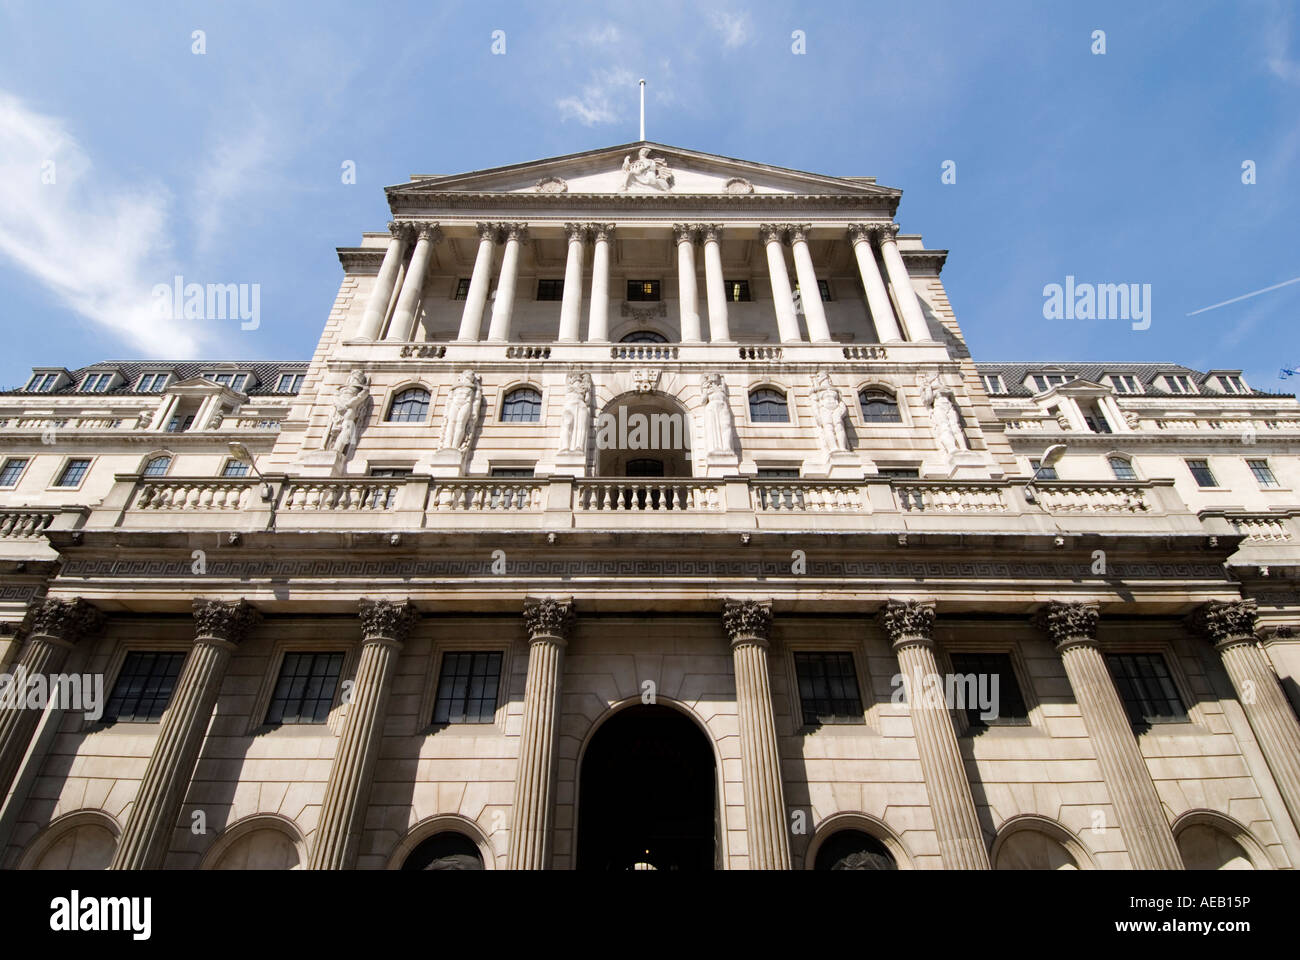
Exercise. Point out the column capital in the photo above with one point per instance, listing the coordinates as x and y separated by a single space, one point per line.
1069 624
386 620
601 231
576 231
772 232
428 231
1225 623
908 622
400 229
65 621
799 232
514 231
548 618
860 232
685 232
747 621
710 232
887 232
224 621
488 231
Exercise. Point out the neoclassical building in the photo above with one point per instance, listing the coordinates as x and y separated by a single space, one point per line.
644 509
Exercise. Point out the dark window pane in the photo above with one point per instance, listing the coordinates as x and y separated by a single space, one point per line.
467 687
643 289
828 688
550 289
1201 473
1146 687
768 406
522 406
1009 704
879 407
144 686
304 691
409 406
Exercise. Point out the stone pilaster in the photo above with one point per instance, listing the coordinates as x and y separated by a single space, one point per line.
57 626
909 626
219 629
384 628
748 624
1230 627
549 621
1072 627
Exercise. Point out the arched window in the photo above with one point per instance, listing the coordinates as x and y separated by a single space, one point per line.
445 851
522 405
1122 468
768 406
854 850
644 336
157 466
879 406
409 406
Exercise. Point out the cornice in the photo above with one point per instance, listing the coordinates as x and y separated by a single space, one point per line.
401 201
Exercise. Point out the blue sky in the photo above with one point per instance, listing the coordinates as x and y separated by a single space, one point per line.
226 167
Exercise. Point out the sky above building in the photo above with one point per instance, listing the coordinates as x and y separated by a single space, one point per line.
1155 144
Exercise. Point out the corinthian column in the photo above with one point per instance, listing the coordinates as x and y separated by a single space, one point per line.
814 312
904 293
549 621
57 626
598 319
408 301
882 311
748 624
471 318
1231 628
571 300
787 324
503 308
909 626
1073 628
688 301
384 628
377 306
715 287
220 628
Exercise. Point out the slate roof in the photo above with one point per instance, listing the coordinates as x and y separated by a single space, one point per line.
1014 374
266 373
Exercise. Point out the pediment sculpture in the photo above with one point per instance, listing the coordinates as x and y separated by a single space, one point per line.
647 171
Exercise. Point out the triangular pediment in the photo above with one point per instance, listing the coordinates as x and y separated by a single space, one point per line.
646 168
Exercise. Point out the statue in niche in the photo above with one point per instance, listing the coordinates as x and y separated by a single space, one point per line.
646 170
939 399
832 415
463 409
576 418
350 402
718 421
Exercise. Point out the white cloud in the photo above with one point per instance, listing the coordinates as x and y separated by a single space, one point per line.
607 33
596 104
734 28
232 169
97 246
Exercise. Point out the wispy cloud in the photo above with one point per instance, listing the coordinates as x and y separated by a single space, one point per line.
232 170
97 246
603 34
602 99
1277 54
734 27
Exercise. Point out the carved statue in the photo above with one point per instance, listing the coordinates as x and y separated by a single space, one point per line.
646 170
350 403
832 414
718 421
144 420
948 430
463 409
576 418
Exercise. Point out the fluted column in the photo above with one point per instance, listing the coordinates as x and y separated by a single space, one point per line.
384 628
1231 628
814 311
408 301
598 319
1072 627
57 626
504 306
687 296
549 621
748 624
882 311
219 629
372 321
471 318
571 302
904 293
715 287
909 626
787 324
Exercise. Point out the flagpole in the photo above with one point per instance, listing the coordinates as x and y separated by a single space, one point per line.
643 109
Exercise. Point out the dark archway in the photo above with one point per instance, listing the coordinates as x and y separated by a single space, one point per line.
647 794
854 850
635 428
445 851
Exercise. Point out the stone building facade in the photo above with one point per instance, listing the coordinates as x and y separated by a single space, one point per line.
644 509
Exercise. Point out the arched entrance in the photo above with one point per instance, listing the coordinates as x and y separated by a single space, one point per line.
643 435
647 794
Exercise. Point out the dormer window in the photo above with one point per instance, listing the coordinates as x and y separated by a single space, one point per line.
153 382
42 382
1179 383
1230 383
235 381
289 383
993 382
1125 383
1045 381
96 383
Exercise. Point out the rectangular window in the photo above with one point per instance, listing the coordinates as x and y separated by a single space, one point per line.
1044 473
900 473
237 383
153 382
462 289
737 291
512 473
1146 688
824 288
179 424
993 382
289 383
467 687
550 289
1260 468
72 474
1201 472
1123 383
643 289
221 378
778 473
1232 384
96 383
1009 704
43 382
1122 469
1179 383
234 468
11 471
144 686
1096 420
305 689
1046 381
828 688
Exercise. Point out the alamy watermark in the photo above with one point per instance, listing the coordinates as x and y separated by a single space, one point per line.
67 691
953 691
1098 301
212 301
639 431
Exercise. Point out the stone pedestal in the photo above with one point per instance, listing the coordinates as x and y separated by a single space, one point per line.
961 843
840 465
571 463
320 463
718 465
446 463
1073 628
